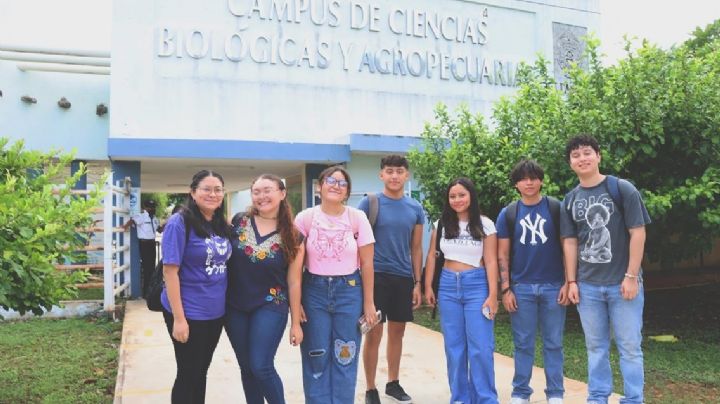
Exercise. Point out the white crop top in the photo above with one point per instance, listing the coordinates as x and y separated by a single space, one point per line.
465 248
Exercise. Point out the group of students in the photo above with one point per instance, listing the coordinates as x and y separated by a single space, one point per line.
333 265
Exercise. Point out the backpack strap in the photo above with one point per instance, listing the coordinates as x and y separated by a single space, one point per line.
439 257
308 219
613 188
554 206
354 225
510 217
373 207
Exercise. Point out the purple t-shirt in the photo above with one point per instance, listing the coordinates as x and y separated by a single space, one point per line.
203 274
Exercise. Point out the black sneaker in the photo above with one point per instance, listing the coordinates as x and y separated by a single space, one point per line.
372 397
397 393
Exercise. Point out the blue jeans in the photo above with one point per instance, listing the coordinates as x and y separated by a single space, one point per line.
537 306
255 337
468 335
603 312
331 343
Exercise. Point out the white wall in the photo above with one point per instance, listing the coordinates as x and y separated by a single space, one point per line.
174 78
70 24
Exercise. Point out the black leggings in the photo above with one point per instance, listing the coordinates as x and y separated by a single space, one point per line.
193 358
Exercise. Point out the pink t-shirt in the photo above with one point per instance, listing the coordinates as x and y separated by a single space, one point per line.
331 246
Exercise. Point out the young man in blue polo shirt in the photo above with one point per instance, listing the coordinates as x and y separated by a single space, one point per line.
398 230
533 288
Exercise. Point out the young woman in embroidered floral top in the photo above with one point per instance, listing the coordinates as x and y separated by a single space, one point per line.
264 278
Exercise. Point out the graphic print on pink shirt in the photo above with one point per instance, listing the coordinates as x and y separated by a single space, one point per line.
330 244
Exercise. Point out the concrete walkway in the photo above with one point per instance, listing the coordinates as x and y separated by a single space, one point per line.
147 368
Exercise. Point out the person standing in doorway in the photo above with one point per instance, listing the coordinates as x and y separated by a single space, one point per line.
532 280
147 225
397 222
603 229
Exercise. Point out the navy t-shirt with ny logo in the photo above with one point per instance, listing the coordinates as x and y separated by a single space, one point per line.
536 251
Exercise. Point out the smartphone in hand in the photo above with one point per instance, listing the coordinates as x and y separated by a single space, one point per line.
364 326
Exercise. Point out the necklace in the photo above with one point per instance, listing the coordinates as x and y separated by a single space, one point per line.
267 218
334 221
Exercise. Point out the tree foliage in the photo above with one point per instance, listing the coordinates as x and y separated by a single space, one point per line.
39 224
656 115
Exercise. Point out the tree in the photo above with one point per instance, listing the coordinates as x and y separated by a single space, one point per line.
656 114
39 224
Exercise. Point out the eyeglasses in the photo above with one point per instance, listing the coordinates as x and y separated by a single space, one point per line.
263 191
209 191
334 181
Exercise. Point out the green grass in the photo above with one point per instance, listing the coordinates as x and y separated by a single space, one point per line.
90 294
58 361
687 371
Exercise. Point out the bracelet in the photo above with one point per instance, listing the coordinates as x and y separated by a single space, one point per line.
502 292
417 282
631 276
569 282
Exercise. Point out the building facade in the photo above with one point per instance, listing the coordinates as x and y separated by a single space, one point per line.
252 86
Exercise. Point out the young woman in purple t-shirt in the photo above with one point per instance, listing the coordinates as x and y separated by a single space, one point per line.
196 246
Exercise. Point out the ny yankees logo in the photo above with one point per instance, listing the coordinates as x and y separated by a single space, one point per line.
537 229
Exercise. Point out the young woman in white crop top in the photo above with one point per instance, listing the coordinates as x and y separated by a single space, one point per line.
467 293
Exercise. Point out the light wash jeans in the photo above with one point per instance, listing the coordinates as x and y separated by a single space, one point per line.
255 337
331 343
468 336
537 306
604 313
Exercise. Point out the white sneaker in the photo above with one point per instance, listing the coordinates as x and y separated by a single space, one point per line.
555 400
519 400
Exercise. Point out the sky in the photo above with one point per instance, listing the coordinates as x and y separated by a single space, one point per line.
663 23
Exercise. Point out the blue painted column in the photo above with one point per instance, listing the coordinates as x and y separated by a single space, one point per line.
122 169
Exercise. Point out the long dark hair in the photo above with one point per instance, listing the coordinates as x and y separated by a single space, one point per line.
450 218
289 235
193 217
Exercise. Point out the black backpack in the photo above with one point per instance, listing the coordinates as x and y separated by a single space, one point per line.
373 208
157 282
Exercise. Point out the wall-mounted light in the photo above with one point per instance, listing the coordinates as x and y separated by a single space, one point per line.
28 99
64 103
101 110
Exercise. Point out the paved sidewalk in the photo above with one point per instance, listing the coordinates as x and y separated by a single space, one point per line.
147 368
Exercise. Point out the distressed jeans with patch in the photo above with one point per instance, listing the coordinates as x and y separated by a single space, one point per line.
604 313
331 343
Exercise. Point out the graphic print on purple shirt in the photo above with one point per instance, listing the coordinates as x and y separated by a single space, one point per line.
203 270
